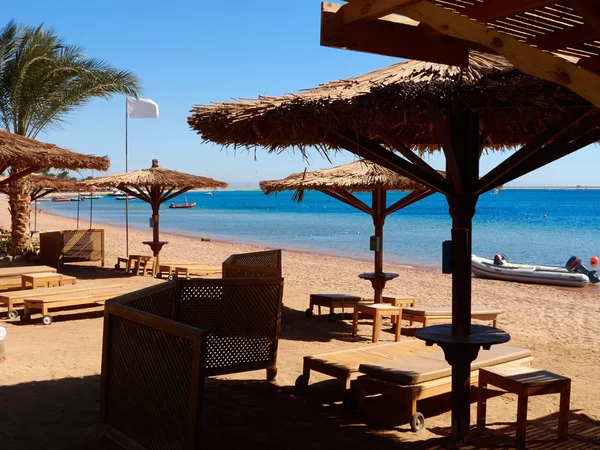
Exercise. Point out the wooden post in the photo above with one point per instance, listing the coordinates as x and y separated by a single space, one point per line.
379 208
460 132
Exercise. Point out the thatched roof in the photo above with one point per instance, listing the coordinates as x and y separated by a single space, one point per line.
513 107
21 152
39 181
156 177
359 176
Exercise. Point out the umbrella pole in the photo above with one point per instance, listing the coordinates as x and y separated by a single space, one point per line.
78 203
155 233
91 201
379 204
35 215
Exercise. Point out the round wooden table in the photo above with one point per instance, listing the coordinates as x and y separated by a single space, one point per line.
378 281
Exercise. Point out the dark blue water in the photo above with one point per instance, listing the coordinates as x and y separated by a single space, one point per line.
511 222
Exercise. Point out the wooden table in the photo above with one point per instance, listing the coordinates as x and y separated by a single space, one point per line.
525 382
332 301
377 310
43 279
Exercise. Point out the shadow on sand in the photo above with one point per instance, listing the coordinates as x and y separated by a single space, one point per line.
64 414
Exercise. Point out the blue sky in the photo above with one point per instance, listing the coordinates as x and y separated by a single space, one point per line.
194 52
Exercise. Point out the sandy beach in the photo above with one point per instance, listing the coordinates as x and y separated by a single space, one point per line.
49 383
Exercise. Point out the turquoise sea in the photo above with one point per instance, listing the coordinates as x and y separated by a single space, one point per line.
533 226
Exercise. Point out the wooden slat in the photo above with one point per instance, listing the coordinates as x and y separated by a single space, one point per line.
49 292
525 57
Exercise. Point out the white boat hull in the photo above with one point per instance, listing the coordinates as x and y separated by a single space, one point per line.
523 273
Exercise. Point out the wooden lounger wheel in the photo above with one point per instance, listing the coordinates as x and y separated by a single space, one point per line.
117 266
172 276
417 422
12 314
332 317
159 275
308 313
301 383
47 320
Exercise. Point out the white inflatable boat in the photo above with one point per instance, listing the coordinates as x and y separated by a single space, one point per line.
500 269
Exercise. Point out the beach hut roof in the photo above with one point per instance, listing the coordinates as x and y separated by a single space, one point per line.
156 176
21 152
359 176
512 107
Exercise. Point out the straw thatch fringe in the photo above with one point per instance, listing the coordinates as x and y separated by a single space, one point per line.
156 177
513 107
39 182
359 176
21 152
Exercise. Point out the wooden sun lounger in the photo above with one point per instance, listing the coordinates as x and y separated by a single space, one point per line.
7 272
410 379
45 304
431 315
185 270
344 364
15 298
10 283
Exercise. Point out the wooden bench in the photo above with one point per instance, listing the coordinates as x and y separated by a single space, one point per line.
14 298
7 272
45 304
181 270
430 315
10 283
525 382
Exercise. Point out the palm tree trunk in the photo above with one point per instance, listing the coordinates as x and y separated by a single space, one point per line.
19 202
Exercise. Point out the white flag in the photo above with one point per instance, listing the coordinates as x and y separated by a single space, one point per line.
141 108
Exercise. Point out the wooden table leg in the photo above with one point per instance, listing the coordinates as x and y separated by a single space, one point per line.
398 326
355 322
522 418
563 414
481 401
376 326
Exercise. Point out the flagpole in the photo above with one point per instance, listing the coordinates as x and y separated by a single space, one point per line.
126 195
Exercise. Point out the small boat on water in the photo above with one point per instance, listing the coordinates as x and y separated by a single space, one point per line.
573 274
124 197
209 193
182 205
92 196
115 193
61 199
77 199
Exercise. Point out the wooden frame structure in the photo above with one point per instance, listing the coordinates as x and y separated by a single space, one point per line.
180 332
341 183
557 40
59 247
395 116
155 186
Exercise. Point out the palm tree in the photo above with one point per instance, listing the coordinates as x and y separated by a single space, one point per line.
42 80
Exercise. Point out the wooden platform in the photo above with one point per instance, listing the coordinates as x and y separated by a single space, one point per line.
15 298
344 364
185 270
7 272
82 299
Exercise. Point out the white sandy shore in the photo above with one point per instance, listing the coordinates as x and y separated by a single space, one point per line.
560 326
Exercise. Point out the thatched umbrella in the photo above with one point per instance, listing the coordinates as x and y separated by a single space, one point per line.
360 176
393 117
24 156
41 186
155 186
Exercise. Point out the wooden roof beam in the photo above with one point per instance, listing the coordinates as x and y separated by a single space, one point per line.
371 9
526 58
348 199
411 198
391 38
